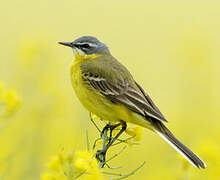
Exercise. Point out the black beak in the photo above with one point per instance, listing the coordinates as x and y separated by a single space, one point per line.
69 44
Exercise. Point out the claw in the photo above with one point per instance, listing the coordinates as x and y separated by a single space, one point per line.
100 156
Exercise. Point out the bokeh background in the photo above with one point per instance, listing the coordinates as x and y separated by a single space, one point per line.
171 48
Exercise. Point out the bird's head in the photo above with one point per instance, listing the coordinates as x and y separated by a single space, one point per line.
86 46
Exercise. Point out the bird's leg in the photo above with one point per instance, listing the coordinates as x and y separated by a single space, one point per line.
100 154
112 127
123 128
105 129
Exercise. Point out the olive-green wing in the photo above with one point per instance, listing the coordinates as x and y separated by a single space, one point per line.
124 93
149 100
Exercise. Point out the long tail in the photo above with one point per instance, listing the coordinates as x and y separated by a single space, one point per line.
164 132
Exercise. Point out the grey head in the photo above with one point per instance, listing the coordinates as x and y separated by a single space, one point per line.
87 45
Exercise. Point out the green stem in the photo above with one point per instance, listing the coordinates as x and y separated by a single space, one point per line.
131 173
94 144
104 142
94 123
115 155
87 141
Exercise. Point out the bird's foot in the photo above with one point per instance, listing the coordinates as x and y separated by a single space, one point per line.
100 156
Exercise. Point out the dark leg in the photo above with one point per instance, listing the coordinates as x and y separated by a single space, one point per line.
105 128
102 153
123 128
111 128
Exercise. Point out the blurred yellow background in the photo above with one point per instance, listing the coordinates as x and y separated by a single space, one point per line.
171 48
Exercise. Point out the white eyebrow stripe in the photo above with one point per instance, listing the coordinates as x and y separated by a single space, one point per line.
90 44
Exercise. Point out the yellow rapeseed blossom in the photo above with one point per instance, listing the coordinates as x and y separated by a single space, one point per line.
135 131
83 160
49 176
85 163
68 166
9 101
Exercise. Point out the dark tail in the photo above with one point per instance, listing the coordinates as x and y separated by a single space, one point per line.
162 130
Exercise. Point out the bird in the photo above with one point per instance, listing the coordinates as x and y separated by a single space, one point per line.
107 89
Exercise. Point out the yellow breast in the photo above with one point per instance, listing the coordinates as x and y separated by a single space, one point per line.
95 102
92 100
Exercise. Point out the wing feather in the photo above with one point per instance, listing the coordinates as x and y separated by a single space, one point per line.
124 93
149 100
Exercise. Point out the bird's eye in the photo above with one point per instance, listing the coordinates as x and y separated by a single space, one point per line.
85 46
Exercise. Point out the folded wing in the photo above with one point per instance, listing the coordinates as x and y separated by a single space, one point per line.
124 93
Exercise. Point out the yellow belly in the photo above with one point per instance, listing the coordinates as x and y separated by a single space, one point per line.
96 103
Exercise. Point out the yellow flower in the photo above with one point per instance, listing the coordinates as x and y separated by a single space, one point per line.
136 132
55 163
48 176
11 101
83 160
85 163
68 166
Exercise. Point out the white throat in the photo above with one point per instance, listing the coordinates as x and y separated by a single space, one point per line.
77 51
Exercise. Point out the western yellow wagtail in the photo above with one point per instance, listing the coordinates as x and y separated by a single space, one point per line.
107 89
